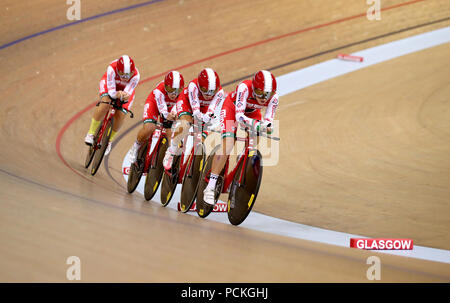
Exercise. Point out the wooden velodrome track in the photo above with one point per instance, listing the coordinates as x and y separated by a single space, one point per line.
367 153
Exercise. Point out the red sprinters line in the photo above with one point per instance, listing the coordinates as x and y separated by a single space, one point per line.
79 114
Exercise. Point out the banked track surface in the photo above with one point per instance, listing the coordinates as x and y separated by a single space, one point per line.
50 213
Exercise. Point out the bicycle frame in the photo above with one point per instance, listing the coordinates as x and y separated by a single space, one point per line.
109 115
249 147
150 158
197 140
106 120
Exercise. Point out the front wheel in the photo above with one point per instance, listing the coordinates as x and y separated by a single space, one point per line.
99 153
191 177
92 149
243 195
90 155
203 208
137 169
155 173
170 181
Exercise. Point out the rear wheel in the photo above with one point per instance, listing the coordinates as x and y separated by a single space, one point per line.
203 208
242 196
155 173
137 169
191 178
99 153
169 182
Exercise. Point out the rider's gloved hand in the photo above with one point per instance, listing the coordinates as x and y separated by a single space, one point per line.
172 116
125 97
198 115
267 126
263 126
122 97
207 117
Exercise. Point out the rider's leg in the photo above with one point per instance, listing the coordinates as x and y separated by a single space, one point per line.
142 137
118 122
228 123
179 134
145 132
99 114
219 160
119 116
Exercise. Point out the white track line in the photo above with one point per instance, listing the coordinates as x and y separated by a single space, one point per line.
309 76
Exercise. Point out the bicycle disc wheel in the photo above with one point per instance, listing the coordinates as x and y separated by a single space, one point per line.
190 178
169 183
98 156
155 174
89 156
91 150
242 197
203 208
137 169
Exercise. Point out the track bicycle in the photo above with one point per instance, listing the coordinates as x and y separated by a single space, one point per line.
149 160
185 172
241 182
97 150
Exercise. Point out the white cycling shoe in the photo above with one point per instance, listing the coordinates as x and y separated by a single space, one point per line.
108 149
89 139
167 161
208 195
132 156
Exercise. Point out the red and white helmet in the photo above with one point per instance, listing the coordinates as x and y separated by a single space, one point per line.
125 67
208 82
174 82
264 84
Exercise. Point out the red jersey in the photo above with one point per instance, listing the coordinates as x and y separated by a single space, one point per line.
115 83
197 100
162 99
246 103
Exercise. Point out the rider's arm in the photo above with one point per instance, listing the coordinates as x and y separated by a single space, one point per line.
271 109
111 82
241 104
267 123
161 103
131 86
172 116
193 98
218 99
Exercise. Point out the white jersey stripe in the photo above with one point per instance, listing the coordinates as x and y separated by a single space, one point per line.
126 64
211 79
267 81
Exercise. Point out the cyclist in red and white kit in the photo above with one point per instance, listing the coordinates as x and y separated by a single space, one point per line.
199 100
159 106
118 84
243 106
